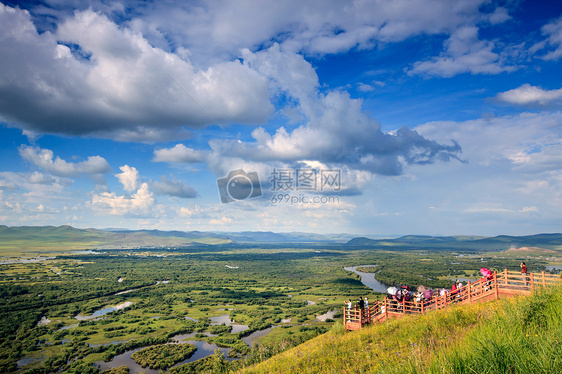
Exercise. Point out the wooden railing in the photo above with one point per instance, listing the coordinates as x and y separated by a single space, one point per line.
502 284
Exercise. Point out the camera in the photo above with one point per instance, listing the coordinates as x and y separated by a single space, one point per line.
239 185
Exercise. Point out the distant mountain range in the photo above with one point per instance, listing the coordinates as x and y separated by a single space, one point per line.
245 236
63 238
37 238
500 242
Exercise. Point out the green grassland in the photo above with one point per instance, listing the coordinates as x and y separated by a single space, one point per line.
260 285
260 288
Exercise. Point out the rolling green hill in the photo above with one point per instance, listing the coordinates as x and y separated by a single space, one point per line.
518 335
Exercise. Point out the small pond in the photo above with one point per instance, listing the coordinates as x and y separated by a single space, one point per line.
104 311
226 320
29 360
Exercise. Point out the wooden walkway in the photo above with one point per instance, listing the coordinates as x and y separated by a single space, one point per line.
503 284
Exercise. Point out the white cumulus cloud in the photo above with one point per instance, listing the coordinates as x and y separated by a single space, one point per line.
138 204
530 95
45 159
129 177
178 154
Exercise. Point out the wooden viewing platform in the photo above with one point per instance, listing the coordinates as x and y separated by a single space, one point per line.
503 284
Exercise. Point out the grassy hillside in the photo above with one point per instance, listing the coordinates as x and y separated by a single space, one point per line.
460 242
518 335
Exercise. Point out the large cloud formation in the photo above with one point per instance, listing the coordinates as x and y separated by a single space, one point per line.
165 71
335 132
93 77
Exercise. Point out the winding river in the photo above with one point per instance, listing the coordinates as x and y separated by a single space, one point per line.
368 279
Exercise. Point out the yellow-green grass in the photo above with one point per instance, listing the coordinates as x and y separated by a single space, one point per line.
518 335
24 247
390 244
285 332
470 274
368 350
47 268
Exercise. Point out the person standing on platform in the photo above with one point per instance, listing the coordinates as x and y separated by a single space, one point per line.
524 273
361 303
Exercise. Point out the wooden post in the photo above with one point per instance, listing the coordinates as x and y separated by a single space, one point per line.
505 276
386 305
496 284
422 302
403 306
532 282
469 292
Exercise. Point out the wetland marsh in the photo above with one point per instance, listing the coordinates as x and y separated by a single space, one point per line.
237 305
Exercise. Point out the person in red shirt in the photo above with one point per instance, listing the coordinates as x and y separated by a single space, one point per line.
453 292
524 271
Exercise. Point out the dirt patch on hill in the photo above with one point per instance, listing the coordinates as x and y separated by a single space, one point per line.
529 250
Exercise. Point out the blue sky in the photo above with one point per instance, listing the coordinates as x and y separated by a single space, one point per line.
435 117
